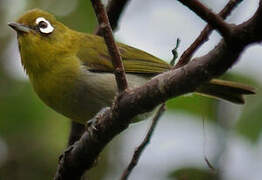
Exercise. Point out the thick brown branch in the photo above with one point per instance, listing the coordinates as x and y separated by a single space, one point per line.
114 11
141 147
111 44
76 132
207 15
203 37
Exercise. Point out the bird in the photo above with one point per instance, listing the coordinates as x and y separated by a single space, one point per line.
72 71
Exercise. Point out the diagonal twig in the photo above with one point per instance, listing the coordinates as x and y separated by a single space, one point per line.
203 37
114 11
141 147
211 18
111 45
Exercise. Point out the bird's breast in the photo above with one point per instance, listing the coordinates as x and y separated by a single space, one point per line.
82 95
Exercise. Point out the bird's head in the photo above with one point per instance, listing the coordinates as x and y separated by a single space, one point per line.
37 23
41 38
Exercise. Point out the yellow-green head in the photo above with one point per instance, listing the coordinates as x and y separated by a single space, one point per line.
41 39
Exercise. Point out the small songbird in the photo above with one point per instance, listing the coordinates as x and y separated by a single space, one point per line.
72 71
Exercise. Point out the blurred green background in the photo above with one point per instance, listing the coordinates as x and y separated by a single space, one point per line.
32 135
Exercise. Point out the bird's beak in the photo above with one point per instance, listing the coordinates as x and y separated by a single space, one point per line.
20 28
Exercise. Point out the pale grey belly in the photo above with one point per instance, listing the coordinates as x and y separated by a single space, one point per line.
94 91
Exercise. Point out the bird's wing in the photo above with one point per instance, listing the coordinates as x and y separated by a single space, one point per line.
94 55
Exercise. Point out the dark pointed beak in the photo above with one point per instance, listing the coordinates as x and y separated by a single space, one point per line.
20 28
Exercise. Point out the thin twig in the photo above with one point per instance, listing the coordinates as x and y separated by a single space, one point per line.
204 148
211 18
111 44
203 37
142 146
114 11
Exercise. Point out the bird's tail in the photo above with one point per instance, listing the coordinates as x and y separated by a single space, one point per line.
227 90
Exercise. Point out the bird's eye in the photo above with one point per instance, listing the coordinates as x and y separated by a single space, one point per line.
44 25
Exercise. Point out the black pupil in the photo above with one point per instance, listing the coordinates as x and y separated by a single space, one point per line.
42 24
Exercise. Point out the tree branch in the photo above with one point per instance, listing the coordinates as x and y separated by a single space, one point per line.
141 147
203 37
111 45
170 84
114 11
76 132
212 19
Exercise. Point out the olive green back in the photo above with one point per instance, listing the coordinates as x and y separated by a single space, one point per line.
135 61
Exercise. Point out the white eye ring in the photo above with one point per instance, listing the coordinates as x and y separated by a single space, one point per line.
46 26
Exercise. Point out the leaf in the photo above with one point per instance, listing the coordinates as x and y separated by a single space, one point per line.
250 122
194 104
193 174
82 19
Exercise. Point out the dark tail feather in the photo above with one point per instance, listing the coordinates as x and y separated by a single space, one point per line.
227 90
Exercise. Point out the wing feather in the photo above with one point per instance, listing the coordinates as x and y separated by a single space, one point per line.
94 55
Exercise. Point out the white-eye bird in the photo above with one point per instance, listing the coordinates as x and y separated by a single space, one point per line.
72 72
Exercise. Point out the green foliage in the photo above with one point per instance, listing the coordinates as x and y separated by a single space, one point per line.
194 104
82 19
29 128
250 122
193 174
